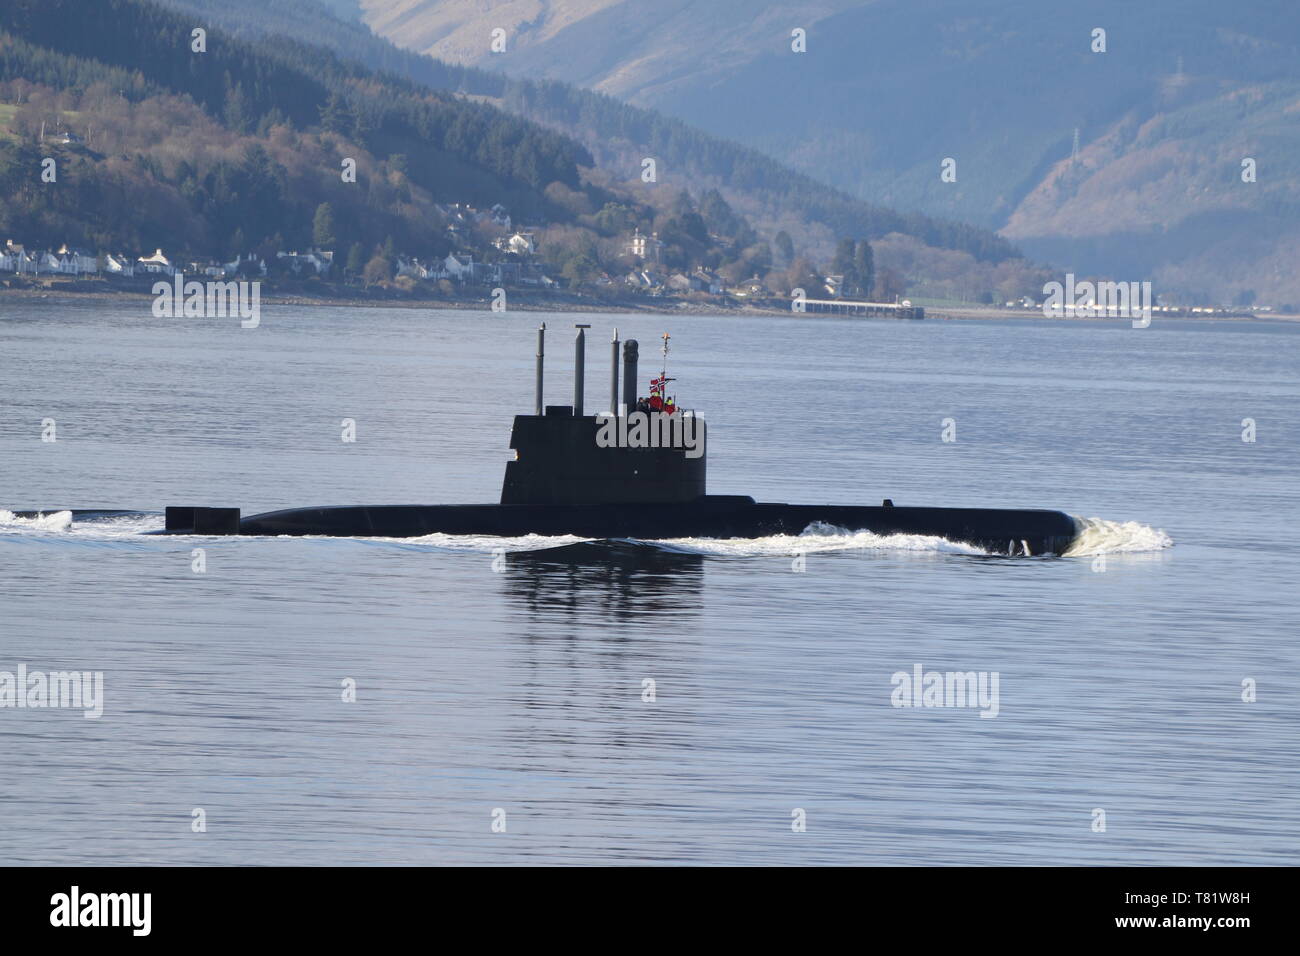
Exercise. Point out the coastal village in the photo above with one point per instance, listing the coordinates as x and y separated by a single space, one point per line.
511 260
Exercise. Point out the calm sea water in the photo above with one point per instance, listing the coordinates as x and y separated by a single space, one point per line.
521 689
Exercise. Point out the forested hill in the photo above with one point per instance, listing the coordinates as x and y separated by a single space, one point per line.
771 194
235 144
248 82
167 151
1115 152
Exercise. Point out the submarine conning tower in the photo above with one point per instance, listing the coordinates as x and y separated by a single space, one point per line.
623 456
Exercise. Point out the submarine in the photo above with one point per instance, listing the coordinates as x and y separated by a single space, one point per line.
637 471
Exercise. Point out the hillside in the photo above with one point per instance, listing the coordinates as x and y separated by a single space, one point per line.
887 89
238 151
221 151
772 196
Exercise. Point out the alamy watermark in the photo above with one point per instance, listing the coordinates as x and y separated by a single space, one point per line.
179 299
921 688
129 910
1094 300
83 690
651 430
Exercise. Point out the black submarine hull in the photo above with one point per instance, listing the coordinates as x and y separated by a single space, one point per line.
1001 531
635 474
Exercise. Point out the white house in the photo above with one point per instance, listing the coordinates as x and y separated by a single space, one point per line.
322 259
318 261
644 247
416 269
76 261
24 261
119 265
156 264
460 268
645 279
6 261
519 243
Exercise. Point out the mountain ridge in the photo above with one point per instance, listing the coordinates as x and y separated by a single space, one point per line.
890 88
614 132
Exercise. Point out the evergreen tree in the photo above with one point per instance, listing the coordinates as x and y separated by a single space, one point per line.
235 109
865 262
356 261
334 114
719 215
322 227
843 265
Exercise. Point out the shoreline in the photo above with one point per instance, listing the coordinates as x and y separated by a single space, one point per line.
518 302
566 302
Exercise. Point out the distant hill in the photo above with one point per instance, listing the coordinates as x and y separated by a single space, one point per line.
887 89
214 146
619 136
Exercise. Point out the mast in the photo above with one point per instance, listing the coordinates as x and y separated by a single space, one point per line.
613 378
541 357
579 368
663 376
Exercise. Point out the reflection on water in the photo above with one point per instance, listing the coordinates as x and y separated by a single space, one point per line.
609 582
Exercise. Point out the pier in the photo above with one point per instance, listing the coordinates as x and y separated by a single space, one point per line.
891 310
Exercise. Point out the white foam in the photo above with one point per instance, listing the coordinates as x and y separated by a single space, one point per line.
54 521
1099 536
817 537
107 527
475 544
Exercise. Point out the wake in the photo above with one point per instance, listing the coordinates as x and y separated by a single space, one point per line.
1099 536
1094 536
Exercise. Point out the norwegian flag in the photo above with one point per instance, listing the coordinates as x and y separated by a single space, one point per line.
657 384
